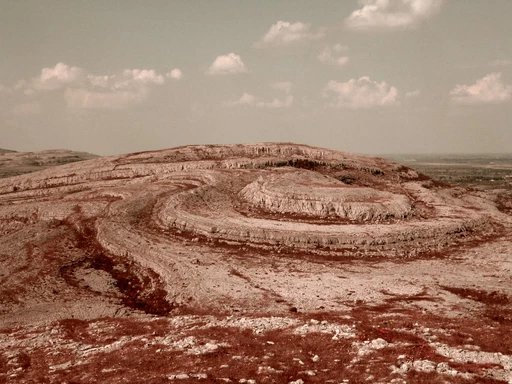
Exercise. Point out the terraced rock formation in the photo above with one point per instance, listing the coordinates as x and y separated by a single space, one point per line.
217 234
323 199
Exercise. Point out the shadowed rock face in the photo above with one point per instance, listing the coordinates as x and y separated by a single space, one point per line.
190 234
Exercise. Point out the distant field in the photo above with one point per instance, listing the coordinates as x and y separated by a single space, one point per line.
495 170
14 163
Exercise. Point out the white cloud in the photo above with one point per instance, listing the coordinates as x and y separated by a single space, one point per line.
138 77
285 86
285 33
412 94
489 89
252 101
114 92
361 93
84 91
286 102
27 109
503 63
175 74
130 79
334 55
145 76
60 76
245 99
392 14
82 98
99 81
227 64
20 84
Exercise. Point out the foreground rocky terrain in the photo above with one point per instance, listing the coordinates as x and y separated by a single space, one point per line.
264 263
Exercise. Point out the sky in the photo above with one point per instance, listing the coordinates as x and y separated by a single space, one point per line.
369 76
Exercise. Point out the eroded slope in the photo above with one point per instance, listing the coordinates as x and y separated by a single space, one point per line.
225 236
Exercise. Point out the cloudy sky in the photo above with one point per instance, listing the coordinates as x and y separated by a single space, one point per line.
371 76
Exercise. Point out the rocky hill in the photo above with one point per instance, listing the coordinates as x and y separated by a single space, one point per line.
14 163
270 262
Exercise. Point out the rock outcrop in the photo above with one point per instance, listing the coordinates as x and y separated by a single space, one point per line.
262 195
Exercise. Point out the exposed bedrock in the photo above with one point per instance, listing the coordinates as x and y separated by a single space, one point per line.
260 194
312 193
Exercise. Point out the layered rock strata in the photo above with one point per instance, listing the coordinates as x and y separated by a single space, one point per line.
264 195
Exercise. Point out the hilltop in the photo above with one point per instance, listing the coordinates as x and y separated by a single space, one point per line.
14 163
268 262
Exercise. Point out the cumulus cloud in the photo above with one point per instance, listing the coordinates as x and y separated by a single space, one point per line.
412 94
175 74
285 33
361 93
114 92
138 77
60 76
335 55
285 102
487 90
20 84
82 98
245 99
99 81
392 14
502 63
84 90
252 101
285 86
227 64
27 109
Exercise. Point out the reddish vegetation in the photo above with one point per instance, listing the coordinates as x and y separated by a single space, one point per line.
272 356
488 298
422 296
435 378
497 304
141 289
504 201
374 322
77 330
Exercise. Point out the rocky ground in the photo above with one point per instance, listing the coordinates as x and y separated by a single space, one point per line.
265 263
